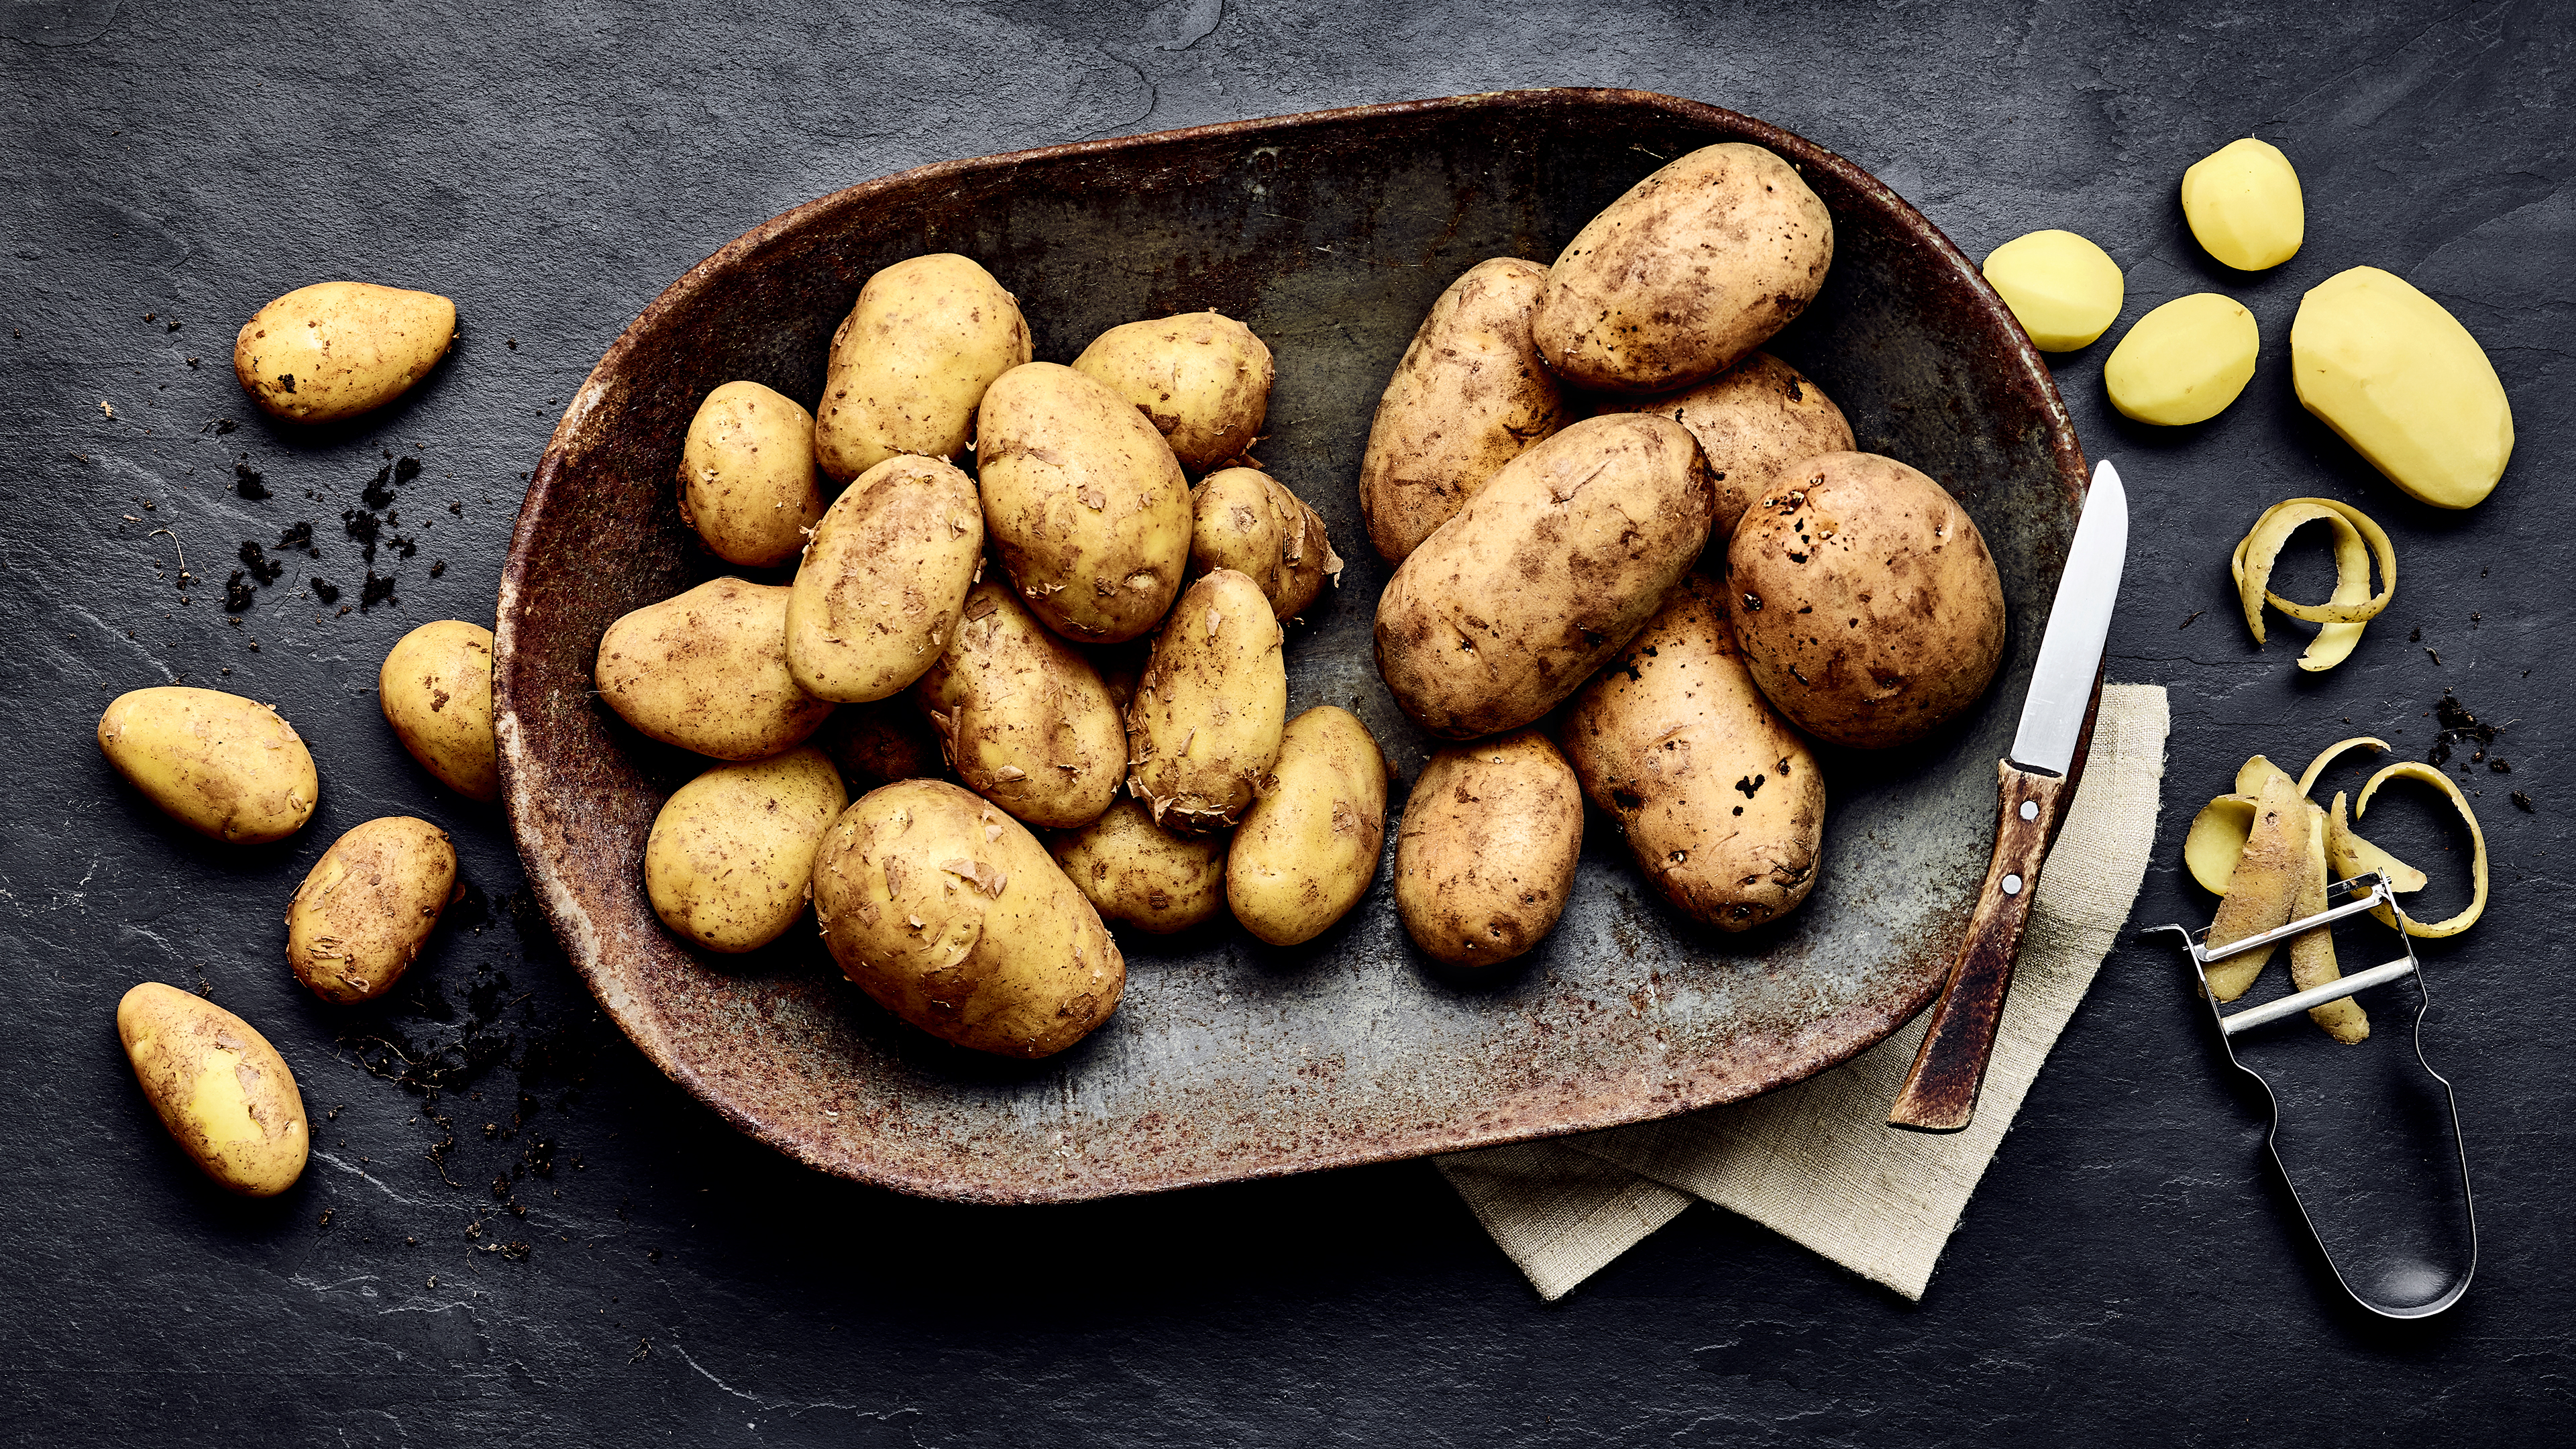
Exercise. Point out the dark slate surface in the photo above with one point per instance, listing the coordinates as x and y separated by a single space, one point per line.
560 1247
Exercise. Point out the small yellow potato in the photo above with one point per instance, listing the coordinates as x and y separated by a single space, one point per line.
1023 716
953 917
730 862
2243 203
1245 520
2397 376
1485 859
222 765
337 349
1470 395
2312 953
1137 874
881 742
435 688
1203 729
368 906
707 671
1201 378
2184 362
1084 501
877 595
1308 848
219 1087
748 481
1753 422
2217 839
2422 773
2264 886
2064 290
911 361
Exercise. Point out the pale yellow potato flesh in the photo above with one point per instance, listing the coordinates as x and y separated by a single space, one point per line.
336 349
748 481
2256 773
2328 755
2312 954
2423 773
910 364
2184 362
2357 541
1308 848
1137 874
435 688
2397 376
222 1091
2353 856
730 862
2243 204
224 766
2217 838
2264 886
2064 290
368 906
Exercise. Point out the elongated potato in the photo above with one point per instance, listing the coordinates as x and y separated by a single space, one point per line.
747 475
950 914
1138 874
1721 798
707 671
730 861
435 688
1023 717
222 765
1203 729
1201 378
220 1088
1753 422
1548 571
2397 376
1248 521
877 595
1485 859
336 349
1085 502
368 906
908 365
1309 846
1470 395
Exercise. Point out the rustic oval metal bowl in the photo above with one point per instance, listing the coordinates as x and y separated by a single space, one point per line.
1330 234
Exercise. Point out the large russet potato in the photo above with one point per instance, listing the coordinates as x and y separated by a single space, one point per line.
1470 394
1550 569
2397 376
1023 716
1720 798
730 861
707 671
748 481
1864 601
368 906
1085 502
1203 728
878 592
1201 378
1485 858
951 915
1694 267
909 364
1138 874
1752 422
435 688
219 1087
1245 520
336 349
1308 848
222 765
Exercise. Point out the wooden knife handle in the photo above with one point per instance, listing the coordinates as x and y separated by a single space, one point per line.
1940 1093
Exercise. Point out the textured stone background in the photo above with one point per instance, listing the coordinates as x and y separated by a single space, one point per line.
559 1247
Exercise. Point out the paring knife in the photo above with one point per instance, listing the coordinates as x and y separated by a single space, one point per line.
1940 1093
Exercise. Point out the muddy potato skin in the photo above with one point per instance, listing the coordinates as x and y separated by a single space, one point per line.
1485 857
218 1086
1204 726
707 671
953 917
1137 874
881 742
1309 846
1753 422
435 688
877 595
730 861
1023 717
1084 501
748 482
1720 798
368 906
1695 267
1245 520
1201 378
224 766
1864 601
337 349
1547 572
1470 395
908 365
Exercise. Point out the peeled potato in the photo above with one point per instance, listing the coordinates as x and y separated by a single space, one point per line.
2064 290
2244 206
2183 362
2400 379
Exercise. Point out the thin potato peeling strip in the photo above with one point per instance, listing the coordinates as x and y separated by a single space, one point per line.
2357 540
2418 770
2317 766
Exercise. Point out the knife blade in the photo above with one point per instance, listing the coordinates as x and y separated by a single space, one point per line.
1940 1092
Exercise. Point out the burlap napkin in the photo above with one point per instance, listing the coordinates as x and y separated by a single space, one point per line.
1817 1161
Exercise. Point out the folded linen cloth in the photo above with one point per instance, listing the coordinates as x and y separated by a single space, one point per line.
1816 1160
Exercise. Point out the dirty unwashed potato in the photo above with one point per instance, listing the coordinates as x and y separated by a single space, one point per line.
1721 799
1552 568
1203 728
707 671
219 764
1023 717
1202 379
1864 601
1308 847
2397 376
748 482
1470 395
219 1087
1137 874
436 691
1485 858
368 906
951 915
879 743
2064 290
336 349
1753 422
1696 266
910 362
1084 500
877 595
1248 521
731 858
